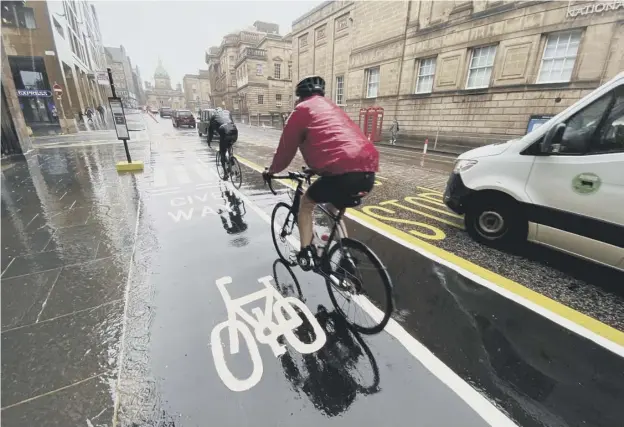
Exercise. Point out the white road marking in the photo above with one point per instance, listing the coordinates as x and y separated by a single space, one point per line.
202 172
182 175
239 321
160 177
482 406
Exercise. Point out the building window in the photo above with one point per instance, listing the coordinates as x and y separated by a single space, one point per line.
559 56
260 99
258 69
289 71
372 82
426 72
58 27
481 64
16 15
339 90
277 71
278 100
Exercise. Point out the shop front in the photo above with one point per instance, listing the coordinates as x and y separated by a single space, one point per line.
35 94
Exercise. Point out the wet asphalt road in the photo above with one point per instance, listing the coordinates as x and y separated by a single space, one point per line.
110 311
409 197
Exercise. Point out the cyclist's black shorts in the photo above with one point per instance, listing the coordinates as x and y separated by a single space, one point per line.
341 190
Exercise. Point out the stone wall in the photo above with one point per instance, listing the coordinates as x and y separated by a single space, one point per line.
348 38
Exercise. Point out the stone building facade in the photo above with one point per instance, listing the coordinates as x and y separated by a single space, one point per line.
223 61
124 76
162 94
470 72
264 80
197 90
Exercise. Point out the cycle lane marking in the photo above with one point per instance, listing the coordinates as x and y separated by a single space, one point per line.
486 409
579 323
262 322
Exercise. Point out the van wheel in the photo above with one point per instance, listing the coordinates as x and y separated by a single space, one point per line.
496 221
199 133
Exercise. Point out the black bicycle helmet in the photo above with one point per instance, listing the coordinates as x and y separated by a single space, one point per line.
313 85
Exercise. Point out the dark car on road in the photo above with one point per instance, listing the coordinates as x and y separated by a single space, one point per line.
183 118
165 112
204 121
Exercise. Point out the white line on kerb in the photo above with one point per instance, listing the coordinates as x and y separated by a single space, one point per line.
482 406
125 317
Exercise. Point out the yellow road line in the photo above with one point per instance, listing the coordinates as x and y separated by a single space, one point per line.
549 304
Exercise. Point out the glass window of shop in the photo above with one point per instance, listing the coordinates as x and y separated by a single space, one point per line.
33 90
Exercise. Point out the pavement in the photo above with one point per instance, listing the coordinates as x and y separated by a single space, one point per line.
113 309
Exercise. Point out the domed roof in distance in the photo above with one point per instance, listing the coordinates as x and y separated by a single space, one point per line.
160 71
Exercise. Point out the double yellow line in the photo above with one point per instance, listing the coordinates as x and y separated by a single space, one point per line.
551 305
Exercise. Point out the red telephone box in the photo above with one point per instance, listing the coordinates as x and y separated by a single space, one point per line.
371 122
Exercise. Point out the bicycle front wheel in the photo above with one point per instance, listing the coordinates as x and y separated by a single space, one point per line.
220 169
236 174
285 232
359 286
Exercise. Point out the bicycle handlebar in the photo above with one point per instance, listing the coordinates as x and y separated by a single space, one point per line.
304 175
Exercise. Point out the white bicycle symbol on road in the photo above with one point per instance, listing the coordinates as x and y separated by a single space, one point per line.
265 329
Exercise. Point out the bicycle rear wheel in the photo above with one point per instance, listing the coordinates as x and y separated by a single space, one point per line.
220 169
236 174
360 289
285 233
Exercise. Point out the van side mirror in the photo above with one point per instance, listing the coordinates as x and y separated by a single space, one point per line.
553 136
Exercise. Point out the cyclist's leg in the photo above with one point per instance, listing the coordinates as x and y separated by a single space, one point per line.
345 188
223 146
321 191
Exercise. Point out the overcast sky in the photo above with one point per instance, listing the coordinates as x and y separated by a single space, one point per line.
180 31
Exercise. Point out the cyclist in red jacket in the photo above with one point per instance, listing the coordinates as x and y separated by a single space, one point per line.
333 146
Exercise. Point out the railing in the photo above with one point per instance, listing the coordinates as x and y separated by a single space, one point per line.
246 37
252 52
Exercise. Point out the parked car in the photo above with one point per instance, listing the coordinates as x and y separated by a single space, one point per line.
154 110
165 112
561 185
204 121
183 118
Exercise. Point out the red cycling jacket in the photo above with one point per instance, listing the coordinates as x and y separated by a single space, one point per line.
330 142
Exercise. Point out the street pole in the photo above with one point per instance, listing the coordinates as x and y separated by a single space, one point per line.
112 85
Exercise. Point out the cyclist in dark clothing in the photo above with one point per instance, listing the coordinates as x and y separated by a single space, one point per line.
222 122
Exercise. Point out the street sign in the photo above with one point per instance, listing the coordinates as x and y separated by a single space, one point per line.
536 121
119 118
58 90
34 92
102 78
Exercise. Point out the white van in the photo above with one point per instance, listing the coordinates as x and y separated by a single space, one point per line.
561 185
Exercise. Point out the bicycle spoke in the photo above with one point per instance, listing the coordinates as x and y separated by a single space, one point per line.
358 274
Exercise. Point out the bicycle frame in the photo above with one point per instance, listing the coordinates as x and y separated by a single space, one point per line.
336 218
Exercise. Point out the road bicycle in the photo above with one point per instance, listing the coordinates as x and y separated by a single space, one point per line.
346 264
234 171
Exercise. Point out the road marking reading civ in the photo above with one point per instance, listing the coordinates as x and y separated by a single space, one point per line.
197 206
265 329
